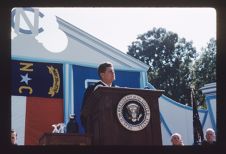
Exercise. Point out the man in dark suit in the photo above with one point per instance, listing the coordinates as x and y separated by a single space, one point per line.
107 76
72 126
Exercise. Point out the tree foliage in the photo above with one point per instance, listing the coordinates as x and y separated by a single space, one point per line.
170 59
204 69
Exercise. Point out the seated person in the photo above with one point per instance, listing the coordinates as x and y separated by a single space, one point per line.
107 76
210 137
13 137
72 126
176 139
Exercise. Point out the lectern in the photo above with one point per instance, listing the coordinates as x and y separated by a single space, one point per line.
123 116
64 139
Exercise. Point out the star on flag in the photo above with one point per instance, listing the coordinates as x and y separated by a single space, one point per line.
25 78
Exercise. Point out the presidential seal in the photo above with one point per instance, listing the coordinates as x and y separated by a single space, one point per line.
133 112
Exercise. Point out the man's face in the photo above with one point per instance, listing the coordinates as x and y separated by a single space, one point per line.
210 136
176 140
108 76
13 138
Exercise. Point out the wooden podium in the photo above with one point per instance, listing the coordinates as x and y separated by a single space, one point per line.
64 139
123 116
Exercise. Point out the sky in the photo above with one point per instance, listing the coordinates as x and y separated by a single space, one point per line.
119 27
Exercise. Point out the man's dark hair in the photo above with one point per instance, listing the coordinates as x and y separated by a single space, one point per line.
13 131
102 67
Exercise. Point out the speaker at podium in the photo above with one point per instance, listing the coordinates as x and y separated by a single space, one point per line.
123 116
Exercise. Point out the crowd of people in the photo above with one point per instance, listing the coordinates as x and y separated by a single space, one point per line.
210 138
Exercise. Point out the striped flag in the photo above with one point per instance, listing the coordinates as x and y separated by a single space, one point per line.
37 99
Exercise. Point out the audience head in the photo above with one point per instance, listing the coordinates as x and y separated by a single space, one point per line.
210 135
13 137
176 139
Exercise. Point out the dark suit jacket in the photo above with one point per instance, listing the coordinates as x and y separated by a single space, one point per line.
204 142
84 109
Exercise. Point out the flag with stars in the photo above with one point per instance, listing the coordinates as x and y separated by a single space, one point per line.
37 79
37 99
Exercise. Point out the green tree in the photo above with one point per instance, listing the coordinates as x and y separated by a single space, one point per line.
204 69
170 59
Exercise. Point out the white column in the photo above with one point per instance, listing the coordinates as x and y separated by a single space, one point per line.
66 82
